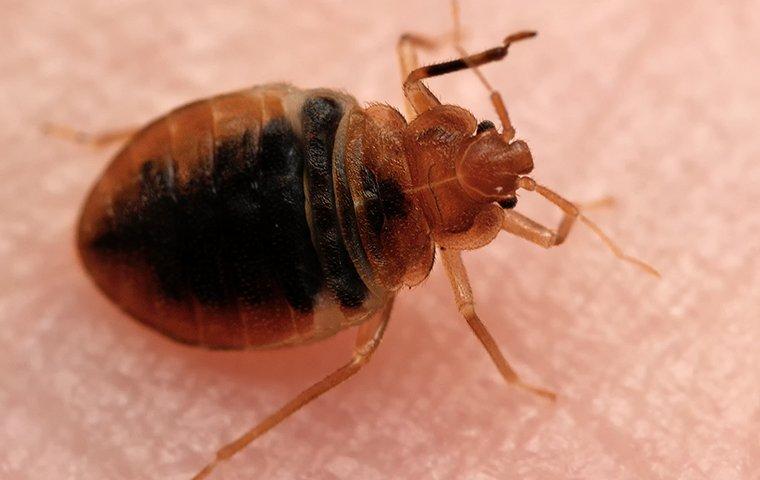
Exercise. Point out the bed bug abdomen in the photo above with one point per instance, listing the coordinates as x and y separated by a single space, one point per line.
321 116
217 224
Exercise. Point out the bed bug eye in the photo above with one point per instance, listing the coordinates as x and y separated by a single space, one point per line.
485 125
508 203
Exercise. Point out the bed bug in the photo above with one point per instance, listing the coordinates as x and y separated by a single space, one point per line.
277 216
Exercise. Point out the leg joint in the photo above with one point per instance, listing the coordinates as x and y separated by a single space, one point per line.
466 308
362 354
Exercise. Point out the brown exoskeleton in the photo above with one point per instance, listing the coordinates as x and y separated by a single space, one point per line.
276 216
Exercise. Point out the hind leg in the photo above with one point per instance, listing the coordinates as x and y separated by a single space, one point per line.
90 139
368 339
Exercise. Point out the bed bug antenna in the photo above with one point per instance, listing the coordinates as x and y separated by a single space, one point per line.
572 212
508 131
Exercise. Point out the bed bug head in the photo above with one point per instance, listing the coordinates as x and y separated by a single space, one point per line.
465 174
489 166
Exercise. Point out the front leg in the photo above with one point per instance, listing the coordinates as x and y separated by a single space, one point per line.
536 233
406 49
524 227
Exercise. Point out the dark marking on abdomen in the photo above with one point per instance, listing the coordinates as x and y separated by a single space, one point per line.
293 258
383 199
320 117
235 234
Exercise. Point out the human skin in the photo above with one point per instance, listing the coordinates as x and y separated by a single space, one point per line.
654 103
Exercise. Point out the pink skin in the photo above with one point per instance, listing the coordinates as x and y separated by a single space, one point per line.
653 103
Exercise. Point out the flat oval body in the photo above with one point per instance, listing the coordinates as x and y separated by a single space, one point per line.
230 223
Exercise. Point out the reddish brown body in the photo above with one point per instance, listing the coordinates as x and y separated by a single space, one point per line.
277 216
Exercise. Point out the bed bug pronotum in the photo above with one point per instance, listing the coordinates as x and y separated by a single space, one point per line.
276 216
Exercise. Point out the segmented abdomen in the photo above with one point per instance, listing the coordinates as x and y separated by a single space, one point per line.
218 225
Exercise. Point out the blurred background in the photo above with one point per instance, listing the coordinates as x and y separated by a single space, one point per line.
655 103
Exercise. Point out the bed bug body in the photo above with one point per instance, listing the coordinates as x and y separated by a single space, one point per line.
276 216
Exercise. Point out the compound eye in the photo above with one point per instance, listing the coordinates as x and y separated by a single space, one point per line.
508 203
485 125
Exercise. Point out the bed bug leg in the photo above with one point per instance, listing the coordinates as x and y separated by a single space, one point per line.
418 98
528 229
409 43
96 140
455 270
406 49
422 99
368 338
532 231
607 201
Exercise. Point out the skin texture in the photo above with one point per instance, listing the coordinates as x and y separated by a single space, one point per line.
655 104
